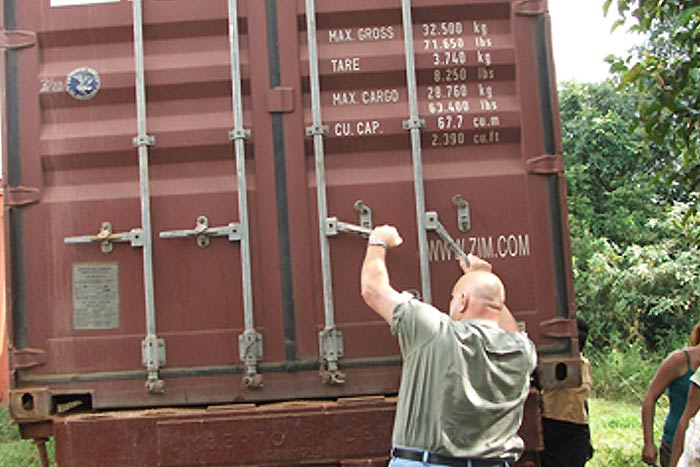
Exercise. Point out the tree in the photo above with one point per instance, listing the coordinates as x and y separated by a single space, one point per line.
636 263
649 295
665 73
610 167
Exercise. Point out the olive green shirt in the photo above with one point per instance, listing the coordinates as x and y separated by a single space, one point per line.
463 384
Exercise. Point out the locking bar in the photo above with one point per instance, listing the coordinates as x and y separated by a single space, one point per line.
250 354
329 372
433 223
153 348
202 232
414 124
106 238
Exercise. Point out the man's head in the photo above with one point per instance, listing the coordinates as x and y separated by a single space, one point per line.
477 294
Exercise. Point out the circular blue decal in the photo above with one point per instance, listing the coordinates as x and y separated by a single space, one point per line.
83 83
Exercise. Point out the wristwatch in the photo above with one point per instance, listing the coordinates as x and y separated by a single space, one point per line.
374 241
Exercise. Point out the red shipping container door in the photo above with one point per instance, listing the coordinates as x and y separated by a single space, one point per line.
187 194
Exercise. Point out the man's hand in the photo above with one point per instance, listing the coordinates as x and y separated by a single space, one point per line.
387 234
475 264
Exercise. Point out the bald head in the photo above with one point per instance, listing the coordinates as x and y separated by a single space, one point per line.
483 293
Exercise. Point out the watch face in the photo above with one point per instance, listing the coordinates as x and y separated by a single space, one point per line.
83 83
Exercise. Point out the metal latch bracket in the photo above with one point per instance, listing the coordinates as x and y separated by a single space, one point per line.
106 238
202 232
330 343
144 140
317 130
239 133
250 347
464 220
153 352
413 124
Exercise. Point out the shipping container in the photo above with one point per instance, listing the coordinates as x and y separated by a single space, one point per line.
188 186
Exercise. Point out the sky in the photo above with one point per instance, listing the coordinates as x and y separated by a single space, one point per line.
581 39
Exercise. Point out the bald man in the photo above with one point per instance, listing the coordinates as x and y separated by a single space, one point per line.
465 376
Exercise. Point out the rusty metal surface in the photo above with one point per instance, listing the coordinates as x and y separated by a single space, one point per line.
485 90
277 434
352 431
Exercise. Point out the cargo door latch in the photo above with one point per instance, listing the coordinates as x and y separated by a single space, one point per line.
202 232
107 238
334 226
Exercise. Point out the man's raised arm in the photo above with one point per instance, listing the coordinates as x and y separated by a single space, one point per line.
376 289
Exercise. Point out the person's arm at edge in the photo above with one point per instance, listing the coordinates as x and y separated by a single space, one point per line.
666 373
691 407
376 289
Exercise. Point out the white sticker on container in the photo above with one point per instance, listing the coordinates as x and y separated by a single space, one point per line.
95 296
80 2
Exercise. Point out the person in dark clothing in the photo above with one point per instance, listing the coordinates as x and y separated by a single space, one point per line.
567 437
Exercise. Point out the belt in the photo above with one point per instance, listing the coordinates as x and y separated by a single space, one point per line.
434 458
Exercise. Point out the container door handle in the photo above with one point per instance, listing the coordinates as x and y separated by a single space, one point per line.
414 124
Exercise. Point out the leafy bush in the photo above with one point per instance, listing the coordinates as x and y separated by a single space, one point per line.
645 296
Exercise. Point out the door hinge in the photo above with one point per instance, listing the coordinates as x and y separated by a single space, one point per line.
21 195
17 39
547 164
22 359
530 7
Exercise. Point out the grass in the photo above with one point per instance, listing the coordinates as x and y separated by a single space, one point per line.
14 451
616 429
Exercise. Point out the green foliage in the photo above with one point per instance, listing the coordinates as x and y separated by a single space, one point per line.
635 255
665 74
610 167
643 294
